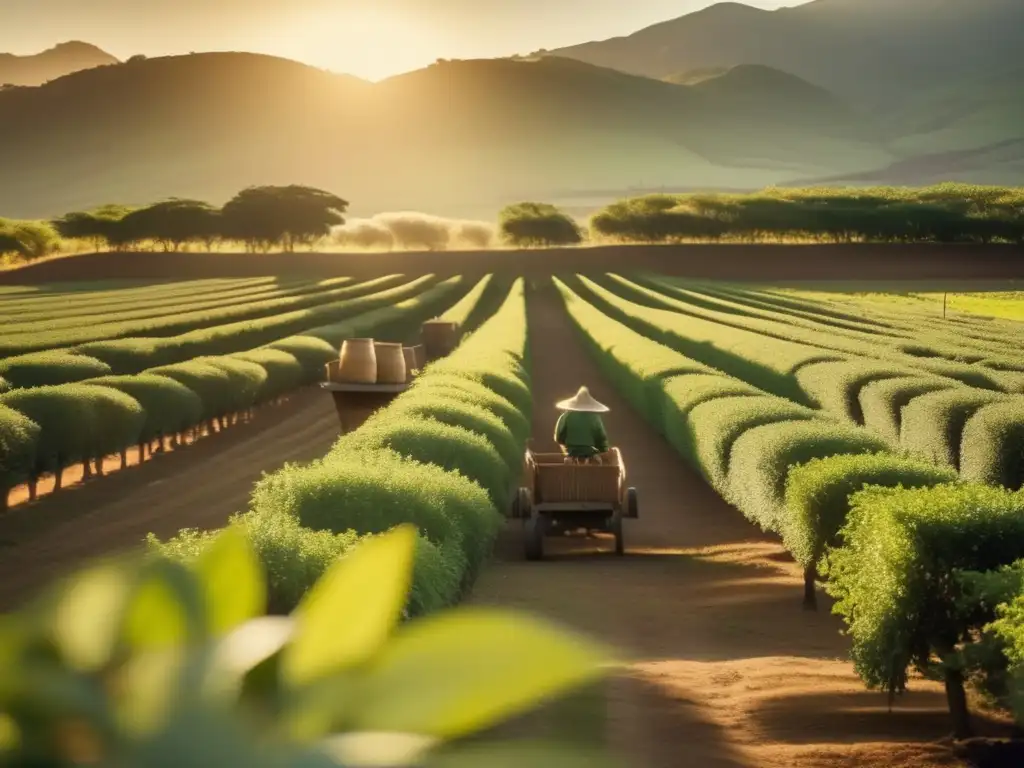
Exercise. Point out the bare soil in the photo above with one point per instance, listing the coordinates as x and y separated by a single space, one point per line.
198 486
773 262
726 669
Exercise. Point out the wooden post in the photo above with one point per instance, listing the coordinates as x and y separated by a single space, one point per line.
944 296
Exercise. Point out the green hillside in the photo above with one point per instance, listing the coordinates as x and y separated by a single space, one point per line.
448 137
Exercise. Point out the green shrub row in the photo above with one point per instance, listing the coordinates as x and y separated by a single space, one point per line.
98 336
161 307
85 421
106 296
134 355
904 347
906 342
443 456
50 368
479 304
765 362
748 444
76 423
912 410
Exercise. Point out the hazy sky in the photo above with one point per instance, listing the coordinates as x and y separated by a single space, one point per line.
369 38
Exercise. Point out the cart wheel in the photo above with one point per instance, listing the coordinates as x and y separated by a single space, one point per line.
632 504
521 504
615 526
534 527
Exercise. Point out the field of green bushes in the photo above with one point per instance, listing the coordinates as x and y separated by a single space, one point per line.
883 445
131 368
881 441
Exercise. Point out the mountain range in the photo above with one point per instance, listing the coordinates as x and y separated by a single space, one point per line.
837 91
56 62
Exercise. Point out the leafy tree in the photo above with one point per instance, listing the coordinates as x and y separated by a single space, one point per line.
99 226
533 224
28 239
262 217
172 223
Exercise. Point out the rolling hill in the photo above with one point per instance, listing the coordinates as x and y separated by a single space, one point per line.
874 52
458 137
51 64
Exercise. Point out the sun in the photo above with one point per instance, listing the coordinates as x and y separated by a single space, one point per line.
368 43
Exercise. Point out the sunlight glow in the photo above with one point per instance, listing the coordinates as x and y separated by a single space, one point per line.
368 43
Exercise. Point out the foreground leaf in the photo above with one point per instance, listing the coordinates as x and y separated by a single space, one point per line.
457 674
346 617
520 755
233 580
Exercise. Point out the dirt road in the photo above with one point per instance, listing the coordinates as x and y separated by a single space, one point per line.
197 487
727 670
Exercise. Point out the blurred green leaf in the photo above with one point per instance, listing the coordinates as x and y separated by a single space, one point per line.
520 755
233 580
87 613
167 608
379 750
346 617
456 674
254 642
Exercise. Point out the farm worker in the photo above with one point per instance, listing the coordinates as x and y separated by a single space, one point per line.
580 431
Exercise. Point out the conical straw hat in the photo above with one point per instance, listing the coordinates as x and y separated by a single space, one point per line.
583 401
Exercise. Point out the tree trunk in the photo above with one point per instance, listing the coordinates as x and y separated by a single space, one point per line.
99 466
58 479
142 453
810 593
956 697
33 488
86 469
124 458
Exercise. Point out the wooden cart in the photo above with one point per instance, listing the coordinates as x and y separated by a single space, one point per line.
557 498
355 403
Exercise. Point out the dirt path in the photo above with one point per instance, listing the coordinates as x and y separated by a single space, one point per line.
197 487
727 670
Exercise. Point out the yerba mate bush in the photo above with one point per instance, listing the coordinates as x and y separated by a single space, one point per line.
992 446
147 661
742 440
19 440
78 423
443 456
818 499
894 579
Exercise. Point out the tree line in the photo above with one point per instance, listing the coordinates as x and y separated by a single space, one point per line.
266 218
946 213
261 218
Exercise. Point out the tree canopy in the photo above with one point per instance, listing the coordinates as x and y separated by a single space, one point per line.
538 224
266 216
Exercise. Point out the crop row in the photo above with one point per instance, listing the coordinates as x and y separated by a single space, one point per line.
101 297
939 418
113 327
49 428
136 354
443 456
232 303
887 530
904 346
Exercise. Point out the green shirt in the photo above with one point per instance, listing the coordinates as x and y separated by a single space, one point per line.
581 434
